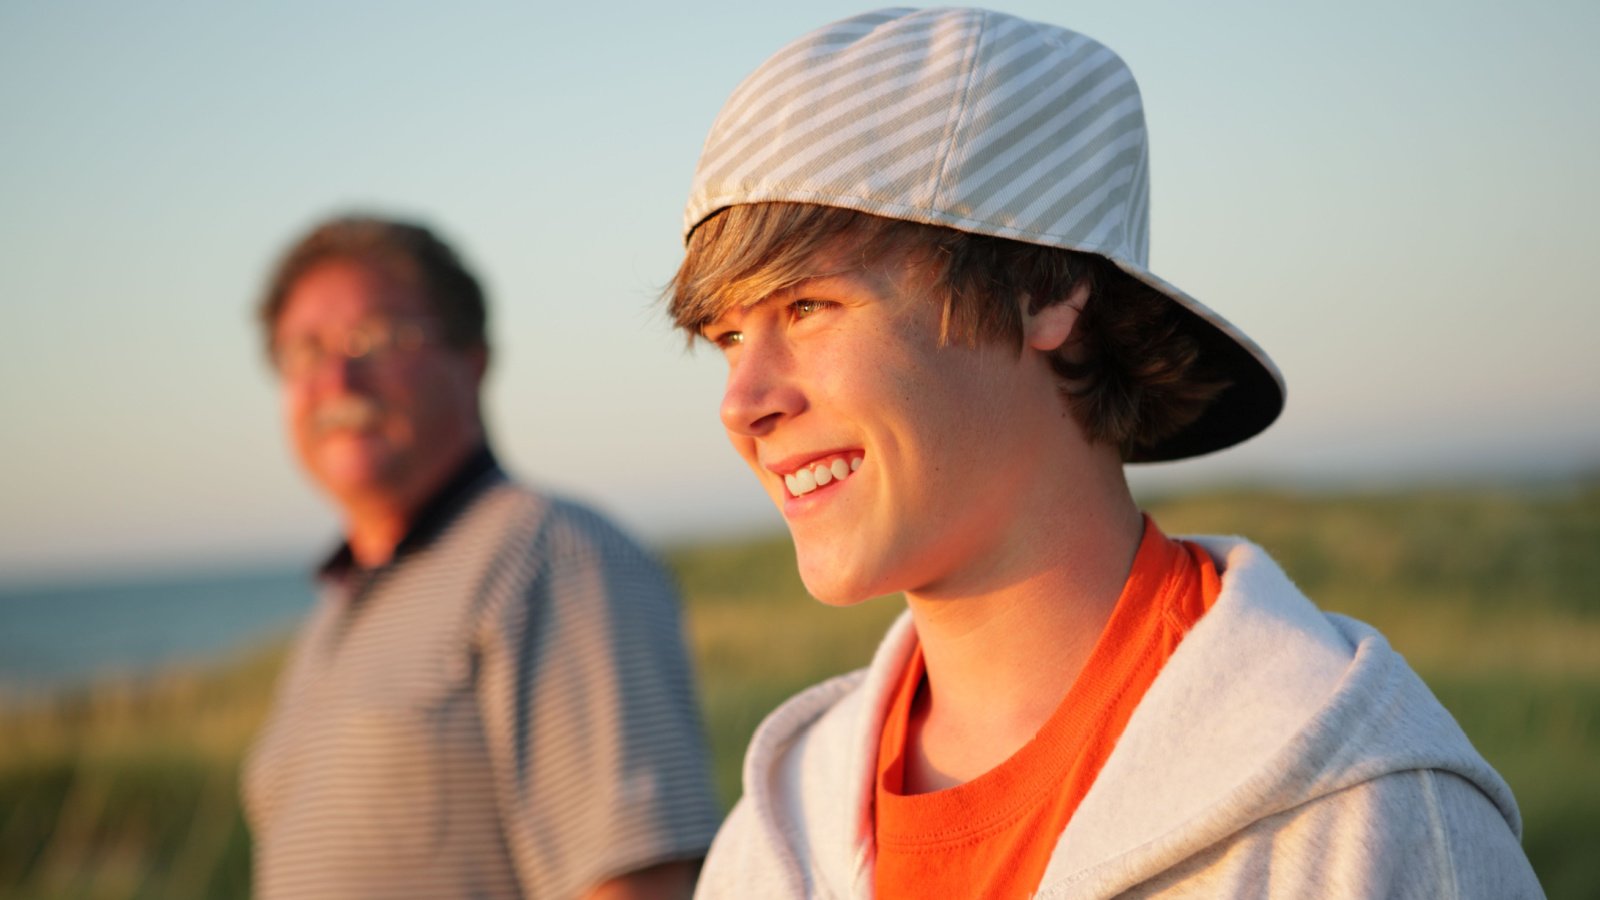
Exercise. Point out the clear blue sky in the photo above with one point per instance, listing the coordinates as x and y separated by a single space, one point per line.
1397 200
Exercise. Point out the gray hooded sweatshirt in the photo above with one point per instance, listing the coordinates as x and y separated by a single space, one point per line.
1282 752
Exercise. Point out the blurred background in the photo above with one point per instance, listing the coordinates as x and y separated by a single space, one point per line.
1397 201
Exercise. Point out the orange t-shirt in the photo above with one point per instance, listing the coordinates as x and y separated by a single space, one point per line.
993 836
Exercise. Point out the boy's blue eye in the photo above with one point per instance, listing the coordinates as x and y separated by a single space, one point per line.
803 308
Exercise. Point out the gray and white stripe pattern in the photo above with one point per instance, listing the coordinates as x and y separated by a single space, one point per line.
862 113
506 712
972 120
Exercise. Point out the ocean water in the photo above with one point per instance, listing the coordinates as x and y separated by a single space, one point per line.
67 634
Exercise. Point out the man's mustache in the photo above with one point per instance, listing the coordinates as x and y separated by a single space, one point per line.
353 413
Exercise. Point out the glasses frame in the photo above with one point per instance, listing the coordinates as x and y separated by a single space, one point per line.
373 342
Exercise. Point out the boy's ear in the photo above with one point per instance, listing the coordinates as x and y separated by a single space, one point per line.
1049 328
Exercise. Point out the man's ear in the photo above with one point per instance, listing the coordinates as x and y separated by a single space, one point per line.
478 358
1049 328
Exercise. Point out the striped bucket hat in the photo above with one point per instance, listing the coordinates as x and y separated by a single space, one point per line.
981 122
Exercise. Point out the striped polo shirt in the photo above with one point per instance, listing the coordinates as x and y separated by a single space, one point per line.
505 709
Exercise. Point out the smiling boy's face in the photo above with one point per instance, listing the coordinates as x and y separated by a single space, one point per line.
898 464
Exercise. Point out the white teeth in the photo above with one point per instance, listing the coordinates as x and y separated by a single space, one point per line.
804 481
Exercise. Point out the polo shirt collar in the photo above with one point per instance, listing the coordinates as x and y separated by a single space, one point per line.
469 478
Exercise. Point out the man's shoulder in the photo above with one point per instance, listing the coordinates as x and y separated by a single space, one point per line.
523 514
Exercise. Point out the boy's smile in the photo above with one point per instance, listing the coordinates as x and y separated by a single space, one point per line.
881 447
818 473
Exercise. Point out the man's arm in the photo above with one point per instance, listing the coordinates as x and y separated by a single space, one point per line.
590 716
666 881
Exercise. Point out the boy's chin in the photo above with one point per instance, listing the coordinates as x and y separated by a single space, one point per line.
827 587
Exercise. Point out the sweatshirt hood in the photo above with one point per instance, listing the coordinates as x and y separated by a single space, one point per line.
1268 703
1303 704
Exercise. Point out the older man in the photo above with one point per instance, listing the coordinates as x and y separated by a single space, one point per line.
492 698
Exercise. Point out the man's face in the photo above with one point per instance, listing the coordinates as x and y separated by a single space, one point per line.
378 409
938 447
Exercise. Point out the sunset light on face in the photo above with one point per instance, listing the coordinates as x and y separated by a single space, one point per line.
437 459
1369 205
372 428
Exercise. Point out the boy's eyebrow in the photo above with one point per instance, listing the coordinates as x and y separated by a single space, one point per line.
799 287
811 282
791 291
782 293
703 328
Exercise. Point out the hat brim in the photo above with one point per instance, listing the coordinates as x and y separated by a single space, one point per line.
1253 399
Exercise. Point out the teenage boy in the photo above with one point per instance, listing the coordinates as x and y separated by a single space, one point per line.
919 238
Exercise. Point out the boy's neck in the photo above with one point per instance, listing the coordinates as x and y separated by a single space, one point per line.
1002 653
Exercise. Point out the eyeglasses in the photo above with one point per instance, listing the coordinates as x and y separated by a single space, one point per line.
373 342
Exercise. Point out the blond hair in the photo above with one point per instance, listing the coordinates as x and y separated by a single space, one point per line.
1133 373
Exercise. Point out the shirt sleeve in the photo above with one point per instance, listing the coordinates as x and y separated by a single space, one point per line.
589 710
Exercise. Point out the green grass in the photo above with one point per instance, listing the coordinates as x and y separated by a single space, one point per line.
128 789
